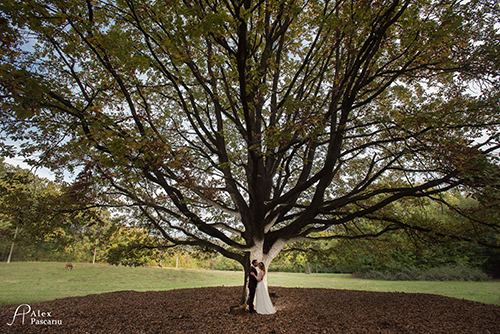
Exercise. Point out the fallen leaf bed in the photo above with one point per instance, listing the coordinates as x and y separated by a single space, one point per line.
206 310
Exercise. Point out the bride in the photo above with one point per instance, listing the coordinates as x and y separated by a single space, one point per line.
263 304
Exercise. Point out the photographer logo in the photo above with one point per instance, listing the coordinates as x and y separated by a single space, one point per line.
36 317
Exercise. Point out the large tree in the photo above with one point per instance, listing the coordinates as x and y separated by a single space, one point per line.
242 125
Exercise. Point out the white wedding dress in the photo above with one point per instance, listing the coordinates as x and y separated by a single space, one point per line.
263 304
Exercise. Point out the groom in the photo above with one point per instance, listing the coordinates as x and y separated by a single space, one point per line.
252 284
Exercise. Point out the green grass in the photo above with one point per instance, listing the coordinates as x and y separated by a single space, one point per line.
26 282
484 292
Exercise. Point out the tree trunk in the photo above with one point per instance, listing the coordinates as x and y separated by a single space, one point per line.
12 246
95 251
308 270
245 292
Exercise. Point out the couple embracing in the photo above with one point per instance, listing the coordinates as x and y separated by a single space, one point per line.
258 296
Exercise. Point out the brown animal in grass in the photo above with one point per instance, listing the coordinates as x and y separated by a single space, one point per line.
69 266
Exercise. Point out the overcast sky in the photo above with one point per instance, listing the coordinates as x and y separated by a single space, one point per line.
42 172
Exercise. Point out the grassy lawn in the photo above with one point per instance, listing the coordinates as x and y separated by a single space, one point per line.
23 282
484 292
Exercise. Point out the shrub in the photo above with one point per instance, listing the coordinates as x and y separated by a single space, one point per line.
456 272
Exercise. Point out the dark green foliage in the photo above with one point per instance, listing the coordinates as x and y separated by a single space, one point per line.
39 251
223 263
491 264
456 272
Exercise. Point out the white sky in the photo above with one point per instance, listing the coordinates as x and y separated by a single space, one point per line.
41 172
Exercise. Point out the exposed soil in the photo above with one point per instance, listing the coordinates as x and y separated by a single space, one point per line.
206 310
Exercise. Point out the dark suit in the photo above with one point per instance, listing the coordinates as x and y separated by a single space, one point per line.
252 284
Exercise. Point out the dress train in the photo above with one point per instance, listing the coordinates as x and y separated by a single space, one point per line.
263 304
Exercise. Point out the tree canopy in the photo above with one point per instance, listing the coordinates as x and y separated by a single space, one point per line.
28 205
36 211
245 125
